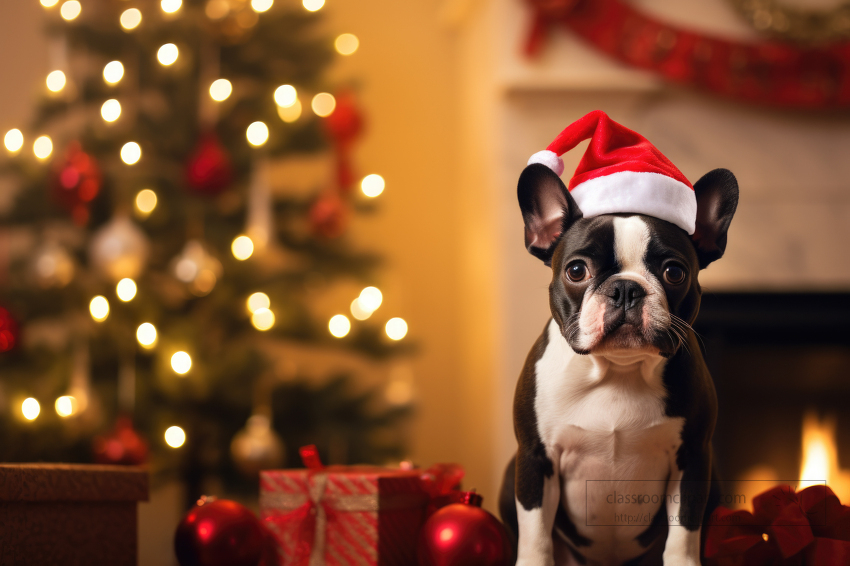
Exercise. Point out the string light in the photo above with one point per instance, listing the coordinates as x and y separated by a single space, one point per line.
262 319
313 5
99 308
145 202
285 96
146 335
220 90
55 81
175 436
257 134
111 110
181 362
113 72
66 405
370 299
42 147
242 247
14 140
126 289
290 114
323 104
372 185
258 301
261 6
346 44
358 312
131 153
339 325
30 409
49 3
70 10
130 19
170 6
396 328
167 54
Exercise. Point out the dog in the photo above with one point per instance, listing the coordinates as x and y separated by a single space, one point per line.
615 408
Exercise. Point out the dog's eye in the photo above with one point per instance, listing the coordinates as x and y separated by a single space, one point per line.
674 274
578 271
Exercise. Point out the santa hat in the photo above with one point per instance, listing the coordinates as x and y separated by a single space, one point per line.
621 172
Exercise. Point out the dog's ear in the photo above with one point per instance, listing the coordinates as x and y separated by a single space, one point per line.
547 209
717 199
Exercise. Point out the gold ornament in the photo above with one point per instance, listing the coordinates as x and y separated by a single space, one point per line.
233 20
257 446
197 267
53 266
119 249
773 18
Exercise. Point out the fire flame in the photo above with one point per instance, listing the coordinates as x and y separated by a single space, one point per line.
820 457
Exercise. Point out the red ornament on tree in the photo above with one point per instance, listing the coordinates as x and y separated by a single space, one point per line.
8 331
344 126
208 170
122 446
463 534
220 533
328 216
76 181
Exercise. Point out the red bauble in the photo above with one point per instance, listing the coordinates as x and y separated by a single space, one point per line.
344 126
208 170
220 533
463 534
121 446
328 216
8 331
76 181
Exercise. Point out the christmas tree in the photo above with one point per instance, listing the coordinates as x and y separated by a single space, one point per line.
151 268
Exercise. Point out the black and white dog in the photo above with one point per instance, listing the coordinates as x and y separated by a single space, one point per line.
615 408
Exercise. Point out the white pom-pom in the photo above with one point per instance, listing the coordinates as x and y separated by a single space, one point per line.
550 159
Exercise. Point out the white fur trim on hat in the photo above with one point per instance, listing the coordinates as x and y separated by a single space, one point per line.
550 159
652 194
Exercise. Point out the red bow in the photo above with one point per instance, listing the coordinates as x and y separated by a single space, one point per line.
786 528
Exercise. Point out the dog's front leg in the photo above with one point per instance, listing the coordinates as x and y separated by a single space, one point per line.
538 493
687 496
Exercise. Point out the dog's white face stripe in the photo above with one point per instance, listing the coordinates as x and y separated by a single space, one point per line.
631 239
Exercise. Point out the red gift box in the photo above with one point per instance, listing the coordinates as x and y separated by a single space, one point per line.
345 515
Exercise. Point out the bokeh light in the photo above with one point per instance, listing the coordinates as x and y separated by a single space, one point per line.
262 319
396 328
145 201
99 308
372 185
258 301
30 409
167 54
49 3
242 247
323 104
339 325
220 89
42 147
170 6
370 299
66 405
126 289
55 81
261 6
285 96
146 335
313 5
113 72
346 44
181 362
175 436
70 10
110 110
257 133
358 312
130 19
131 153
14 140
290 114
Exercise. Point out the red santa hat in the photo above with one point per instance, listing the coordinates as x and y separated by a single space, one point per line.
621 172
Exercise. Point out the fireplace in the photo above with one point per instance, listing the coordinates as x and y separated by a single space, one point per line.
780 361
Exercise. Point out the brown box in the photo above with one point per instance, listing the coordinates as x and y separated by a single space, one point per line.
69 514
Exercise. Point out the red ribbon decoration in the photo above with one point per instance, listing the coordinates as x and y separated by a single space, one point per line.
768 72
805 528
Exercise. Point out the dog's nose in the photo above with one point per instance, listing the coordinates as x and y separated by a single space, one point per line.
627 294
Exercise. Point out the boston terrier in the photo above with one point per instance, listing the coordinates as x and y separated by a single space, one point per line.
615 408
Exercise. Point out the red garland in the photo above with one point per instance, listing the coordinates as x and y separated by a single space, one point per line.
804 528
769 72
